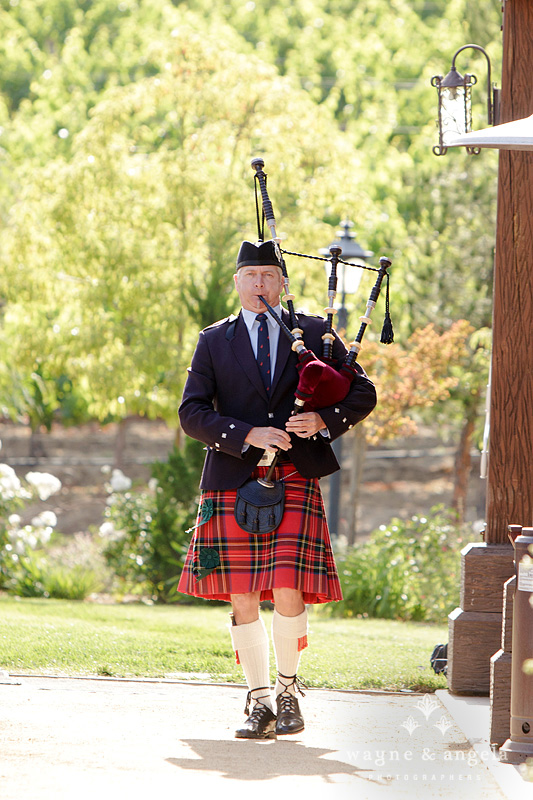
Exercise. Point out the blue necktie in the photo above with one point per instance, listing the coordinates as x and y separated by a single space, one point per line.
263 350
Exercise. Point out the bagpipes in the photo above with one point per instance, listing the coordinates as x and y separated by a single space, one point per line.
320 384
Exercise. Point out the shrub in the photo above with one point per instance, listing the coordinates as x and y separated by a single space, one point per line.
18 542
34 560
145 530
409 569
49 565
71 583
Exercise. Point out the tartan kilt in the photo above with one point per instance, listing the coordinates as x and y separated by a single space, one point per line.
297 555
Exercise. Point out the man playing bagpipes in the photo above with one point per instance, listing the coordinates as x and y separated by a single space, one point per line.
238 400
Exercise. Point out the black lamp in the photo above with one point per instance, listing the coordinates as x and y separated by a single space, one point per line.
349 278
455 103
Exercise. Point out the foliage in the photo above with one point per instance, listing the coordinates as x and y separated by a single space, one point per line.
34 564
414 376
35 575
126 131
156 175
18 541
33 560
409 569
146 530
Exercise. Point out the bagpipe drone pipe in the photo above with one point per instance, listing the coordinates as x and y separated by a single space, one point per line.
320 384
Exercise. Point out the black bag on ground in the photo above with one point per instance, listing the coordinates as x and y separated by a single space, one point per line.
439 658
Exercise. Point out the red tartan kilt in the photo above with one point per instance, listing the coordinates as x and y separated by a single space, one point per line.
297 555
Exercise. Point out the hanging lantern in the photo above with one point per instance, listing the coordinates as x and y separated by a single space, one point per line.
455 103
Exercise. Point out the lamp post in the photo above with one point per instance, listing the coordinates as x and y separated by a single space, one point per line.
350 278
455 103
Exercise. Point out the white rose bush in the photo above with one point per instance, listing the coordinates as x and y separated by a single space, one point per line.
139 548
145 532
21 545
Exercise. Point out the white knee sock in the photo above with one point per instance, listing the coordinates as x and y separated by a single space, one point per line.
250 642
290 638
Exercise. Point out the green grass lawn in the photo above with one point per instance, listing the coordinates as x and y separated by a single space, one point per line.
59 637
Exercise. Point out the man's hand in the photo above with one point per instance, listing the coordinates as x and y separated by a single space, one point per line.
305 425
269 439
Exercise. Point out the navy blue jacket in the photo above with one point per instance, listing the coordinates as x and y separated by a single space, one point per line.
224 398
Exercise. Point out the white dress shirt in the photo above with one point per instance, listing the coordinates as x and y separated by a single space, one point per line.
273 333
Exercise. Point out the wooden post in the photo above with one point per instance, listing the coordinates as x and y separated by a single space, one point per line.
510 477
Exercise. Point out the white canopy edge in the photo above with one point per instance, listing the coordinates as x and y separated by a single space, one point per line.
516 135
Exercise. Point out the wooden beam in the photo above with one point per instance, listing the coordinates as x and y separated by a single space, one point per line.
510 473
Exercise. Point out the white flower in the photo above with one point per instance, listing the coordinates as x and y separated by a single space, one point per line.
340 544
44 483
108 530
9 483
14 520
23 539
105 470
153 484
45 534
44 520
19 547
119 481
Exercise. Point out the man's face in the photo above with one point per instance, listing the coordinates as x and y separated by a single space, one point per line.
251 282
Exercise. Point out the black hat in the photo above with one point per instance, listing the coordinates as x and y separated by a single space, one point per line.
262 254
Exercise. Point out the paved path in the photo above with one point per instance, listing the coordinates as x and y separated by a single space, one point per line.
75 739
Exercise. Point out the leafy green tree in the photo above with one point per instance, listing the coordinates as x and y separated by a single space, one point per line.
126 131
116 255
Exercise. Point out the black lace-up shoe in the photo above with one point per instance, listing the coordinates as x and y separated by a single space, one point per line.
260 724
289 719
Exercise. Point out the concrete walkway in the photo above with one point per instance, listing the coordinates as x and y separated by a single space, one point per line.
75 739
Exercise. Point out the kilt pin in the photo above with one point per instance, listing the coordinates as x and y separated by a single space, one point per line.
224 397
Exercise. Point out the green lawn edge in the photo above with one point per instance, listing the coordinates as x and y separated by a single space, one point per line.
75 639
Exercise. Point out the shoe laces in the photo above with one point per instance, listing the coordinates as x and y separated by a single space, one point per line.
258 707
287 699
287 702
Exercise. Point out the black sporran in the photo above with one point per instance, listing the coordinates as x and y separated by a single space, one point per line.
259 509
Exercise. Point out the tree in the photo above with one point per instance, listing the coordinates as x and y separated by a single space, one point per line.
113 256
411 378
126 134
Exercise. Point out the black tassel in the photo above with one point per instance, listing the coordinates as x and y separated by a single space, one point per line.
387 332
